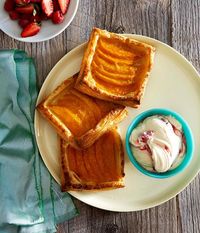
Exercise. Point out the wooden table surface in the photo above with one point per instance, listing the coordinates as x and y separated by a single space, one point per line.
175 22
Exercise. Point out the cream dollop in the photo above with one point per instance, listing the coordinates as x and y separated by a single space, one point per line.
161 139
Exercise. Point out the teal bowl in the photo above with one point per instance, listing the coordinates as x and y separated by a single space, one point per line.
187 133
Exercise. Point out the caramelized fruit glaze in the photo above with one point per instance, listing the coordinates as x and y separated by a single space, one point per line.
78 111
101 163
119 67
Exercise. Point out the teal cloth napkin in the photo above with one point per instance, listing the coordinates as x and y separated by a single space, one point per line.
30 199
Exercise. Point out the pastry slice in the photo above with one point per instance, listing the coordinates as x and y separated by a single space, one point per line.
78 118
101 166
115 68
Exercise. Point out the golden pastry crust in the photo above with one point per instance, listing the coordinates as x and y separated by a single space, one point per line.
98 167
115 68
78 118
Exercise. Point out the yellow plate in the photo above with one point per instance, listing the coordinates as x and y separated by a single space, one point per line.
173 84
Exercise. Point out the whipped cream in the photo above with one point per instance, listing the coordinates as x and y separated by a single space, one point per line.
158 143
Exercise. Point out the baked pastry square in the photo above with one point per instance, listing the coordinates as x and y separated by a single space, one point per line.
115 68
78 118
100 166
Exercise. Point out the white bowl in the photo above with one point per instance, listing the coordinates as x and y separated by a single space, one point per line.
48 29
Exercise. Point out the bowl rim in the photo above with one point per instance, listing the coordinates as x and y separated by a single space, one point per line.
187 133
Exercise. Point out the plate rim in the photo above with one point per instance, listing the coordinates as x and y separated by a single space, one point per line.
162 200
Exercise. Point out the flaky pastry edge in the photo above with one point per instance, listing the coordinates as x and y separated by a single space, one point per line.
87 139
87 85
70 181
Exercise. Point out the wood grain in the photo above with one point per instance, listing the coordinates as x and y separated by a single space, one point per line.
185 34
175 22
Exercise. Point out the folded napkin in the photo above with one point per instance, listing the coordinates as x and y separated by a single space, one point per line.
30 199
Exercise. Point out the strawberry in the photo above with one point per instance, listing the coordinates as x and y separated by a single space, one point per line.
23 22
9 5
22 2
56 6
35 1
43 16
31 29
64 5
13 15
25 16
27 9
47 7
57 17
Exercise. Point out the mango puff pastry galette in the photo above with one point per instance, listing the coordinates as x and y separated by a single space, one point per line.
101 166
115 68
78 118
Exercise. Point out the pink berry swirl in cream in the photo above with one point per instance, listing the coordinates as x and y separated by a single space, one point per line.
158 143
